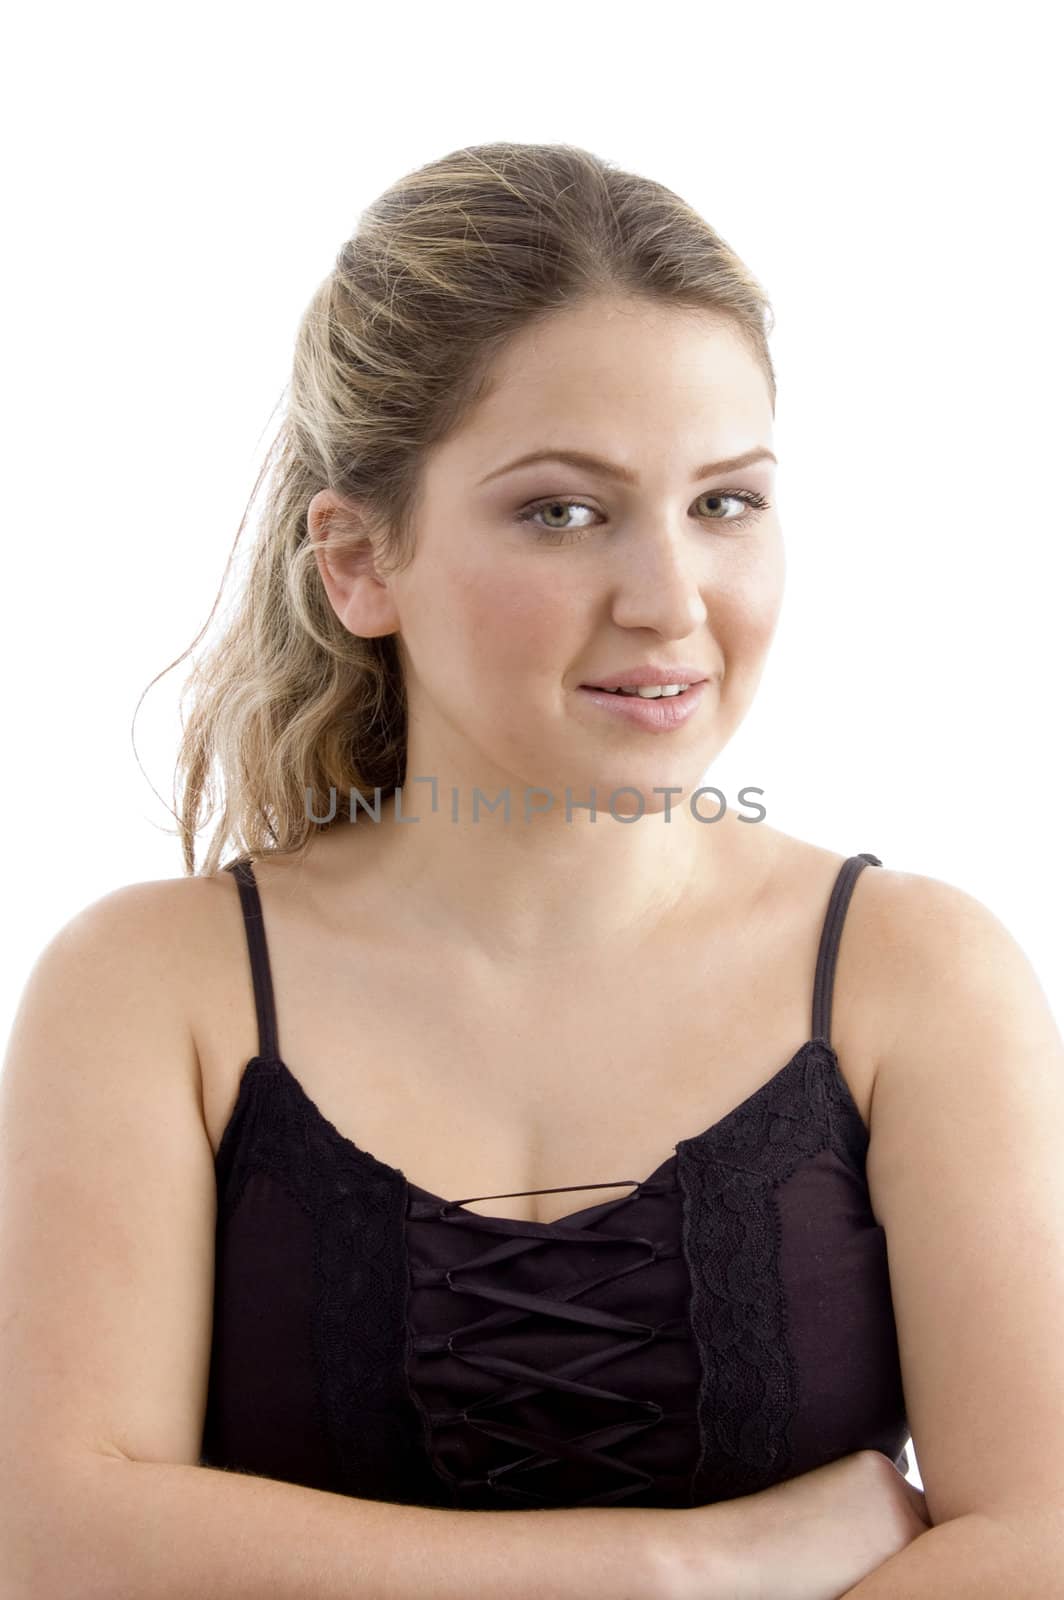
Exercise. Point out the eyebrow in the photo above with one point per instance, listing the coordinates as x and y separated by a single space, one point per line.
581 458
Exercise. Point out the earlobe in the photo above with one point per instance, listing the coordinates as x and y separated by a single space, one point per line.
369 611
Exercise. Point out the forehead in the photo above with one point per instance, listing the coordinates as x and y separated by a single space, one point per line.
608 377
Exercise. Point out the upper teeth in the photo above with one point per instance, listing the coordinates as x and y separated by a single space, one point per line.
653 690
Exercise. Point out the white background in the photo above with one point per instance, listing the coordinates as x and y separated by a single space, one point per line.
178 182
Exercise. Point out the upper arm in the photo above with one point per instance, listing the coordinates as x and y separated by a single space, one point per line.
107 1197
965 1173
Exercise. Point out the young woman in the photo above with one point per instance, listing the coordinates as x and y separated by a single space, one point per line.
513 1121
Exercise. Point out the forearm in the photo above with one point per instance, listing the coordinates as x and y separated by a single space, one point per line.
111 1529
1018 1556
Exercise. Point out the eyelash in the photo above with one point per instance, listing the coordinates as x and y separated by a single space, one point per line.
755 501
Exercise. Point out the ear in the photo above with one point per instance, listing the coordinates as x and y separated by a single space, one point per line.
360 597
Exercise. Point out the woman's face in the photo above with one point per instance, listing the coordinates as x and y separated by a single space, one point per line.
507 608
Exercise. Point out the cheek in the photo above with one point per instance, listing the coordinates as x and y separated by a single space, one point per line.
512 619
745 602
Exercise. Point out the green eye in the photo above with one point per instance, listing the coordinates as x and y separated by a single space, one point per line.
754 502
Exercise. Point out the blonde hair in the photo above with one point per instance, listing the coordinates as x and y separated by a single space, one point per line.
394 348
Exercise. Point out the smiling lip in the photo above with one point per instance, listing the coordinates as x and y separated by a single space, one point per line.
655 672
658 715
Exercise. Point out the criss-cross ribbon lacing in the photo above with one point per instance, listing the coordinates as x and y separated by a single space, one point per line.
589 1448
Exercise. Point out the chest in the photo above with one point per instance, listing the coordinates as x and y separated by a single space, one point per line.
476 1082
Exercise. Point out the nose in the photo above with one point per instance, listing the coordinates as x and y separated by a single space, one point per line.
658 585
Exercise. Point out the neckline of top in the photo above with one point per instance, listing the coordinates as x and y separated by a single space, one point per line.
815 1045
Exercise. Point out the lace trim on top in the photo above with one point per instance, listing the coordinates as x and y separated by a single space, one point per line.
731 1232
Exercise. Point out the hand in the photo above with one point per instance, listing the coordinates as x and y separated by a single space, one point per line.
810 1538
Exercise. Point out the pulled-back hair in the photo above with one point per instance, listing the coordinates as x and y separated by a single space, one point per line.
394 349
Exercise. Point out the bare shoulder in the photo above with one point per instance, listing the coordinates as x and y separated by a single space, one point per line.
949 948
939 969
915 929
151 939
149 923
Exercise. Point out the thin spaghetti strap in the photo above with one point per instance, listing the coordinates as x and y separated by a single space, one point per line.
254 926
824 981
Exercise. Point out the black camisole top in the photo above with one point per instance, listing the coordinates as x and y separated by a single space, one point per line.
724 1326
